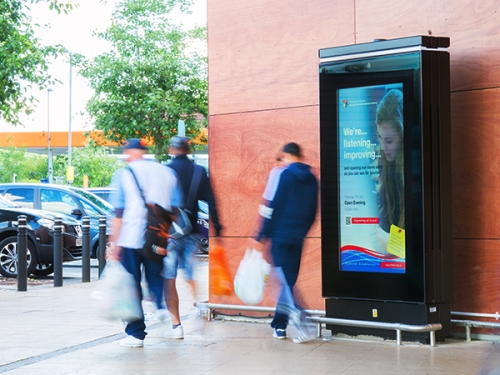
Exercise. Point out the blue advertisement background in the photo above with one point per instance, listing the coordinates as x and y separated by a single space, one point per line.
358 200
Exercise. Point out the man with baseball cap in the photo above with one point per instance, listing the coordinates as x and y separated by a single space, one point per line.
180 253
158 185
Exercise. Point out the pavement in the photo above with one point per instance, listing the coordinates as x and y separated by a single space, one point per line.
57 330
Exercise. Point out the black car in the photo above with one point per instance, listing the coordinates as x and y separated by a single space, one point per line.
68 200
40 239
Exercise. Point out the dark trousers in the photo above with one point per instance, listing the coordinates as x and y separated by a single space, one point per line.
132 261
287 256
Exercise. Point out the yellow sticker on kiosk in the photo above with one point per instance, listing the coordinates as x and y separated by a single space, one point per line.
396 245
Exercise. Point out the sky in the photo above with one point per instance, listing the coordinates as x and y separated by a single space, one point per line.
74 31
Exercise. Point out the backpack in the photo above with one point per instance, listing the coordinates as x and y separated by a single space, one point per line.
181 224
163 224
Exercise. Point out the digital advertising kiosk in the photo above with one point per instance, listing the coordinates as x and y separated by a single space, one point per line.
386 184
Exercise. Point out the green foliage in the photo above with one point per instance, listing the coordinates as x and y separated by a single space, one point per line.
23 59
96 162
150 79
24 166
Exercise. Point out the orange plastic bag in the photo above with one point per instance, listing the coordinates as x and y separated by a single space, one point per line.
221 283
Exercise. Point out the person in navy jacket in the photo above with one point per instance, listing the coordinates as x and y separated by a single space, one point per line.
287 218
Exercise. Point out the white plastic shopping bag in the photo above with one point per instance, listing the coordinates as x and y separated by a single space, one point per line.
119 298
251 277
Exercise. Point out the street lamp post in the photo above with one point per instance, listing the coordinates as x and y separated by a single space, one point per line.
70 94
48 137
69 172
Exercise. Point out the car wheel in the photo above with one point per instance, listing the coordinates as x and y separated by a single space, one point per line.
8 257
43 269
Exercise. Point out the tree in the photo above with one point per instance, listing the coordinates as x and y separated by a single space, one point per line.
18 165
150 79
97 163
23 59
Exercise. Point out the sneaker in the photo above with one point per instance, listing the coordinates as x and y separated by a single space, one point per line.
132 342
162 315
176 333
149 317
304 334
279 333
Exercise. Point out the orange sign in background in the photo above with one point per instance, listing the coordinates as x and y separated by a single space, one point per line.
57 139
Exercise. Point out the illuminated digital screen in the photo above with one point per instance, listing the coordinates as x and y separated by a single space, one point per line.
371 179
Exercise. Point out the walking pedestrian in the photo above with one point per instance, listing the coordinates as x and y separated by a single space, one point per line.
159 185
286 220
180 253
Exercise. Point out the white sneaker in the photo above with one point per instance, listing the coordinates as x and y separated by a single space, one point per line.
176 333
305 333
162 315
132 342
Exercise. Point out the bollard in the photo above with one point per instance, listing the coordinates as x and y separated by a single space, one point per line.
22 262
102 244
85 249
58 252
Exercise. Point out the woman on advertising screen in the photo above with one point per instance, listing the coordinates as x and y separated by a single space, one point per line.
390 186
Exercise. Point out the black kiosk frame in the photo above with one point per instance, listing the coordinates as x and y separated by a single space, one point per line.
386 184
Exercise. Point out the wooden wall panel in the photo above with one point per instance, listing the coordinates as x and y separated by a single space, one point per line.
243 149
476 164
307 290
263 92
471 25
264 54
476 276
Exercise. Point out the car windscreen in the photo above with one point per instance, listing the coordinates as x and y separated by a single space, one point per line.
101 203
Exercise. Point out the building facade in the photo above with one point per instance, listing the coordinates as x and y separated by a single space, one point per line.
263 93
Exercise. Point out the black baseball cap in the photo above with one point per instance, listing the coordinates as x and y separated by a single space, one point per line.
292 148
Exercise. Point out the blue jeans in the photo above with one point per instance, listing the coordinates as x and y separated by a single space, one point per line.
132 261
287 256
180 254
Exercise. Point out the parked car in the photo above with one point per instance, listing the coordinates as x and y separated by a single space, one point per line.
101 192
40 239
202 228
63 199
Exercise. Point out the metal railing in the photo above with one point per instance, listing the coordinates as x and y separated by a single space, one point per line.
468 324
398 327
496 315
320 320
